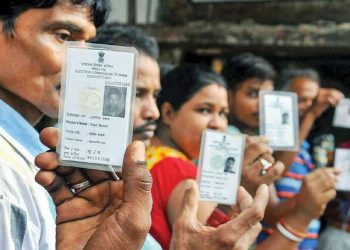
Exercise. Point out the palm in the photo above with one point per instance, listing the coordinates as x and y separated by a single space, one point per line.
101 201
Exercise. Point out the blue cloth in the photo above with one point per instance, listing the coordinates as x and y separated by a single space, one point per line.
26 220
151 244
19 129
24 133
233 130
290 185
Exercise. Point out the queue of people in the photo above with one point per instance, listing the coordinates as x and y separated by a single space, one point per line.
155 204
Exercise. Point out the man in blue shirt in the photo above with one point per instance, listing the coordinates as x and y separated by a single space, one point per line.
32 49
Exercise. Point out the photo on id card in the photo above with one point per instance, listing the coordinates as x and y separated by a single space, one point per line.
342 162
279 120
95 116
219 169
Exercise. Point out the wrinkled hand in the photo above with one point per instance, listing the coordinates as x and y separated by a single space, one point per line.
239 233
317 190
256 149
326 98
108 215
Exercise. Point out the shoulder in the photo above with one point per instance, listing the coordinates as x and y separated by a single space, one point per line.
168 173
174 167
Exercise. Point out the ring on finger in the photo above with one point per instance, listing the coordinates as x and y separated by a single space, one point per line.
265 166
79 187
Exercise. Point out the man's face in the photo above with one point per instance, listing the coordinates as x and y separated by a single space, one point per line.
285 118
307 91
206 109
113 101
145 106
34 55
244 102
230 164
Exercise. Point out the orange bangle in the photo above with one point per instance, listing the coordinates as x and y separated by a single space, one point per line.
292 230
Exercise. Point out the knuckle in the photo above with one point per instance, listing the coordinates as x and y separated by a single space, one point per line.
258 228
240 247
262 147
143 178
228 240
257 213
135 225
279 167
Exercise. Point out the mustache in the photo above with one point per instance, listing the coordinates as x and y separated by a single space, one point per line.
141 128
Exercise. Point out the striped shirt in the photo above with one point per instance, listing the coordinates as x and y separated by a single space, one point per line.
289 186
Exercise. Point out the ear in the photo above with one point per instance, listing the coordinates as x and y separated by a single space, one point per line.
167 113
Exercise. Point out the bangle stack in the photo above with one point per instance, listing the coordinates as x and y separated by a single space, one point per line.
289 232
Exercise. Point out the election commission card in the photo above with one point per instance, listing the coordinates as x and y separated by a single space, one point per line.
97 93
278 116
342 161
219 169
342 114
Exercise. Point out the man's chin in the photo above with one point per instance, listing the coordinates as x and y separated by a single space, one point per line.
145 140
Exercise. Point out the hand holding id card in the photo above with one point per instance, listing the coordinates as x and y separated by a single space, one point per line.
279 120
95 117
342 162
219 169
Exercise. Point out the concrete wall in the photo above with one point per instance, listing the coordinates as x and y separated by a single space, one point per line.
273 12
120 11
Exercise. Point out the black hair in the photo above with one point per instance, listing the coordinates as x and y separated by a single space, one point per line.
230 159
288 75
183 82
165 68
245 66
11 9
114 91
125 35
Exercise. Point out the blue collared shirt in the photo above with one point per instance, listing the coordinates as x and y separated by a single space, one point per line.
24 133
19 129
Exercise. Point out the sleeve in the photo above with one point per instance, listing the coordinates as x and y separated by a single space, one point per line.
168 173
24 214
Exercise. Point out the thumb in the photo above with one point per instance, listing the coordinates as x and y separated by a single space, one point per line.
190 201
137 179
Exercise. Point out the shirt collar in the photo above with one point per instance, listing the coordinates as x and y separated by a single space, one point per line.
20 130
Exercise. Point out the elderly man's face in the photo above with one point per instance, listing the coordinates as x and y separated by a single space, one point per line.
145 106
35 53
307 91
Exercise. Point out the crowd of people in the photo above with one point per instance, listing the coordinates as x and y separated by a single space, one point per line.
155 204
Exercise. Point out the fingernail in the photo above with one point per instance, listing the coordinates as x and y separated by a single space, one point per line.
139 153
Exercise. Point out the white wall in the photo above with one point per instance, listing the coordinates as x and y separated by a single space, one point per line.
119 11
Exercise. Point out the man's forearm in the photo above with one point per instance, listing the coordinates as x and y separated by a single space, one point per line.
276 210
